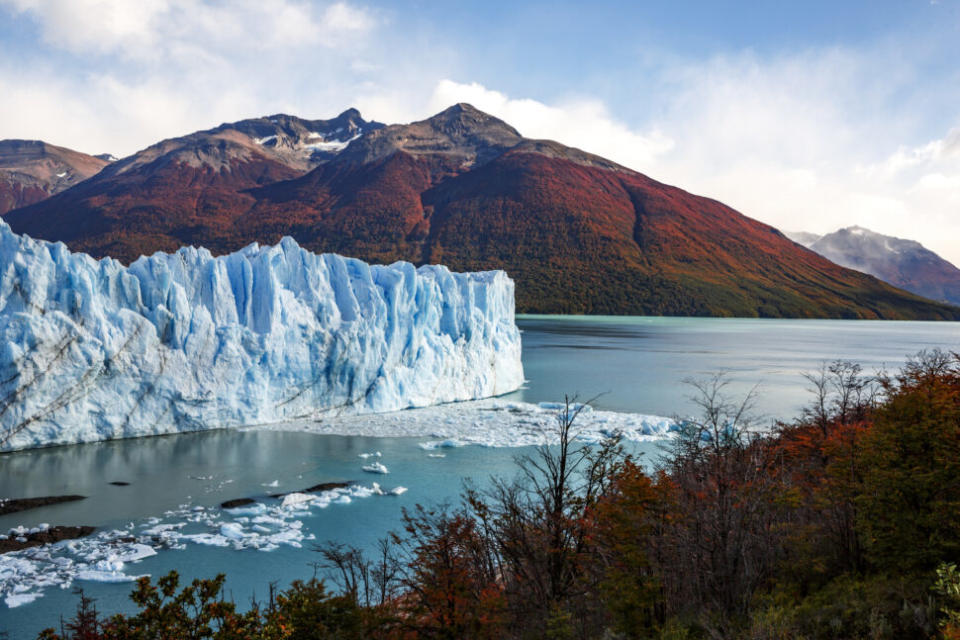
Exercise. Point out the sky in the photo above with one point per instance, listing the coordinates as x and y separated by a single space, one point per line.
808 116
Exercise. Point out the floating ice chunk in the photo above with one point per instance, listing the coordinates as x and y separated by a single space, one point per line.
275 483
135 552
375 467
398 491
210 539
232 530
17 599
295 499
251 510
95 575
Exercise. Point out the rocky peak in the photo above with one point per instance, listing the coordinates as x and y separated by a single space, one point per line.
461 134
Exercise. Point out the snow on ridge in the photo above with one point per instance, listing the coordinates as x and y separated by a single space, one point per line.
92 350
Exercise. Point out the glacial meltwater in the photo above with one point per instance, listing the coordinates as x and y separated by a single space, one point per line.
167 516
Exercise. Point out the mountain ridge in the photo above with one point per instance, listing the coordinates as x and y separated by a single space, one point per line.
578 233
901 262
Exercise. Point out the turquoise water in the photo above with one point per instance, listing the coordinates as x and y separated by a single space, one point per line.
640 363
636 363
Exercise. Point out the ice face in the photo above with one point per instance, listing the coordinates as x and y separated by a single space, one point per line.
92 350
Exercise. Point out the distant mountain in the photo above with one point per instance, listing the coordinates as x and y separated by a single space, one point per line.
802 237
904 263
578 233
33 170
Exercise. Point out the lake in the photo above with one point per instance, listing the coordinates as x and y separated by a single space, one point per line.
176 482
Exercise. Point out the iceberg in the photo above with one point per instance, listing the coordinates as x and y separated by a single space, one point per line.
92 350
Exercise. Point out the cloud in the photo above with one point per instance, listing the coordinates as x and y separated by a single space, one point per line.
113 75
162 28
582 123
812 141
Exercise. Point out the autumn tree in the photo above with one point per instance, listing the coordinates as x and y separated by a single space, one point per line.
540 525
723 541
910 504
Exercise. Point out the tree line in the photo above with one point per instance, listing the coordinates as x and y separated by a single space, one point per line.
843 523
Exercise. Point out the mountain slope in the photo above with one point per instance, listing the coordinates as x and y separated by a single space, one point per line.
578 233
186 190
33 170
904 263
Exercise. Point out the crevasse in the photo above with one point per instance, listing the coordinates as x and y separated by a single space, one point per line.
92 350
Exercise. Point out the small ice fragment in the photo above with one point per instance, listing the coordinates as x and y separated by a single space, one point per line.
376 467
294 499
232 530
16 599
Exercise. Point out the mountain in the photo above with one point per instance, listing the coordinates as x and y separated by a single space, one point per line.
802 237
578 233
904 263
177 191
33 170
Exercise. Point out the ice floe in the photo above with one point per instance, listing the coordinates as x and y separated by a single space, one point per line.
113 555
490 423
375 467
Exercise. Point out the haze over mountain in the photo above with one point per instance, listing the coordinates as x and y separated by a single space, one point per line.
579 233
33 170
904 263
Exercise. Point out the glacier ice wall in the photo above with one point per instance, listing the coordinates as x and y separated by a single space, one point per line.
92 350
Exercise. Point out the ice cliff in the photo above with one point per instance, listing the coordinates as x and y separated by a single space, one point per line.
92 350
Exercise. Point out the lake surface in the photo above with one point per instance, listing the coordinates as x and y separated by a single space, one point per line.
637 364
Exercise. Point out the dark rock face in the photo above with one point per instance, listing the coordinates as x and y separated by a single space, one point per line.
239 502
48 536
14 505
578 233
904 263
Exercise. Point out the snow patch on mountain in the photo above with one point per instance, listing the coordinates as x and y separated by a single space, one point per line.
92 350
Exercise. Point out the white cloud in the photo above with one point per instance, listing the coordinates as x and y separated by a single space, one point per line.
159 28
584 123
812 142
116 76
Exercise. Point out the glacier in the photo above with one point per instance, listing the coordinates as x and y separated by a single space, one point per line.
93 350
